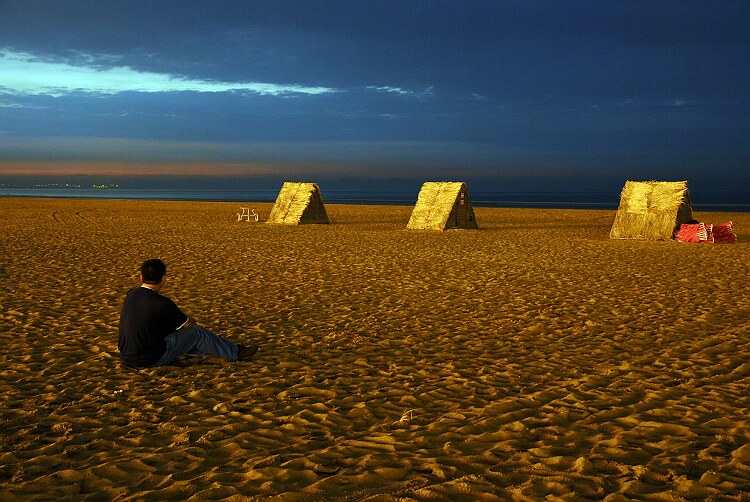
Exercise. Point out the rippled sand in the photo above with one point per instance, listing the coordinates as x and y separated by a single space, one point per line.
531 358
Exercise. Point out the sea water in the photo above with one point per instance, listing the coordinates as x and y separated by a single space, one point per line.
730 201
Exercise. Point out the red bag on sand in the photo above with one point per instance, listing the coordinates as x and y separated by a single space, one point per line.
724 233
705 232
693 232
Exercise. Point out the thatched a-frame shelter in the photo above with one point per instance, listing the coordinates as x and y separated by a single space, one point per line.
298 204
651 210
441 206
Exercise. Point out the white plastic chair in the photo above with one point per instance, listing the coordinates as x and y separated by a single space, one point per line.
247 213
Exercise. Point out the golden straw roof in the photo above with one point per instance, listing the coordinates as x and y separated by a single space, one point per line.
298 203
442 205
651 210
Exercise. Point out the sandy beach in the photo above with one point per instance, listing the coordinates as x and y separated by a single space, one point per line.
532 359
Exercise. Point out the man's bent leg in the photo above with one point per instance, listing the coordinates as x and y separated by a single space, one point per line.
197 341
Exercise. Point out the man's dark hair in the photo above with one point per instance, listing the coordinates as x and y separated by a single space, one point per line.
153 271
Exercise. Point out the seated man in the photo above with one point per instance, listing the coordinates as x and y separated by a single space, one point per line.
154 332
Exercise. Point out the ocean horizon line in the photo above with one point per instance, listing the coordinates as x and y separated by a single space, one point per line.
722 201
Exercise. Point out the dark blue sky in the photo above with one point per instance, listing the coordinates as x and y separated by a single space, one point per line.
508 95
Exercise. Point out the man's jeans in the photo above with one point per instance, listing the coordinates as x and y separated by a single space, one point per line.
196 341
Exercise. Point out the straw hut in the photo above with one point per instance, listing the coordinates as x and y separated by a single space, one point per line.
651 210
298 204
441 206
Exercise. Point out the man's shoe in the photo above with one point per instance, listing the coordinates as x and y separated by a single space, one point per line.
245 353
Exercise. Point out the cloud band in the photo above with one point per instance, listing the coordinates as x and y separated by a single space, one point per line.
25 74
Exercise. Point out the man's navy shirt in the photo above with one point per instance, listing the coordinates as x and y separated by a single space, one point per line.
147 317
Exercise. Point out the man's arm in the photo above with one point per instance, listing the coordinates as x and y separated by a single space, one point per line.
187 324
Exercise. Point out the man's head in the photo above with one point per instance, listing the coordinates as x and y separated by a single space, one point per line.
152 271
